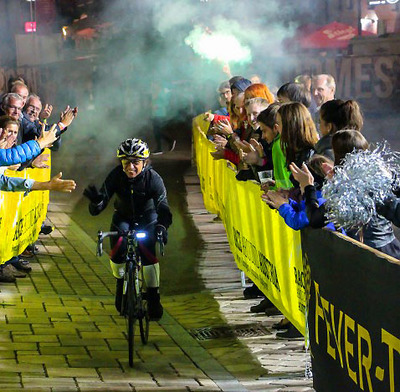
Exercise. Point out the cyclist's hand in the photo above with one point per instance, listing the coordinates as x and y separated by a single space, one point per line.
161 232
93 194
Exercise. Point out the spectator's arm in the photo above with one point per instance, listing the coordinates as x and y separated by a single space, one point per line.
19 154
295 219
13 184
315 213
231 156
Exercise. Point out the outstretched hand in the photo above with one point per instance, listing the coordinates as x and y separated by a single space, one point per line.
93 194
59 185
55 184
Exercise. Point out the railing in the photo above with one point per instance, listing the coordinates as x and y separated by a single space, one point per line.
21 216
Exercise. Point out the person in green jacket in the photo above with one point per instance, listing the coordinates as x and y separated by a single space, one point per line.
269 128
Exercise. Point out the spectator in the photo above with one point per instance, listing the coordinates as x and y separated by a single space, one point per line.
16 155
270 133
259 90
224 98
12 105
305 80
21 89
323 88
12 80
254 106
295 216
238 88
378 233
293 92
334 116
298 133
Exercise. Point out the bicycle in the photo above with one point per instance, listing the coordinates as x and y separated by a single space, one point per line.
134 304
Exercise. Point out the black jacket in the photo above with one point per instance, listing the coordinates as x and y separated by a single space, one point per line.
324 147
141 200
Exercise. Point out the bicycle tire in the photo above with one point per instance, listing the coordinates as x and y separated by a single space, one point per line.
144 319
131 301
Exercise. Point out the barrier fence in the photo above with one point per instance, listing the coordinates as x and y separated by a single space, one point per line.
264 247
354 309
353 291
21 216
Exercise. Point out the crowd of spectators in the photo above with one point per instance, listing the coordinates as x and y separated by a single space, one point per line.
291 144
25 132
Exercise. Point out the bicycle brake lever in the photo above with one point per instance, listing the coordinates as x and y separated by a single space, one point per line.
99 250
160 241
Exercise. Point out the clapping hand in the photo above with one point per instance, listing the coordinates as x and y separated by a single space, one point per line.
3 139
274 199
303 176
220 141
68 115
40 161
224 127
218 153
328 170
46 112
252 152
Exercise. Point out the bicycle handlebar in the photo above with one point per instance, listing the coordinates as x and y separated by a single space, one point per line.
104 234
100 237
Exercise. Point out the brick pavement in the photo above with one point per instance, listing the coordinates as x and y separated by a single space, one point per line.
60 332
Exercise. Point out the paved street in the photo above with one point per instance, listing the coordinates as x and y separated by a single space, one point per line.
60 331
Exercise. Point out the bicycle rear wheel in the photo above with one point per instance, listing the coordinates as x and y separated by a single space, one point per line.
131 304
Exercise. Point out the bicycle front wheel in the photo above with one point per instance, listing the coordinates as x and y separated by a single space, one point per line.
144 320
131 302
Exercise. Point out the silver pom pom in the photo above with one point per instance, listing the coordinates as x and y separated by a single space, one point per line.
365 179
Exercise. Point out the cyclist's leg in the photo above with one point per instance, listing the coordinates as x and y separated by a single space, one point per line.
118 250
151 274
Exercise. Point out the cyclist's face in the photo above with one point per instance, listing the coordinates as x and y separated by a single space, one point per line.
132 167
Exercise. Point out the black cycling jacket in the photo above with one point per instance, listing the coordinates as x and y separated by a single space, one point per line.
141 200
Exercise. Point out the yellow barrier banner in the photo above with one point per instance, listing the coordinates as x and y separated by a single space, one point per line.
264 247
21 216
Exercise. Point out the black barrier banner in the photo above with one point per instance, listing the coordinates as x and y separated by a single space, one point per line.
354 315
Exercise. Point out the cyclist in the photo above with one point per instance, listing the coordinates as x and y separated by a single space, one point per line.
141 203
